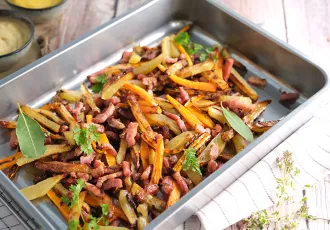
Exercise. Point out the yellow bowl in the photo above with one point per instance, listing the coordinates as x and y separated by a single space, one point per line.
43 15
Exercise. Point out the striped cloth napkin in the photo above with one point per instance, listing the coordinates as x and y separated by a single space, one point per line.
256 189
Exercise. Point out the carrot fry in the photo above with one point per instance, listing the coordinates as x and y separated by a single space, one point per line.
206 120
11 158
174 196
184 29
187 115
111 160
195 69
89 119
144 152
141 92
50 106
161 67
203 86
151 109
59 204
157 169
183 51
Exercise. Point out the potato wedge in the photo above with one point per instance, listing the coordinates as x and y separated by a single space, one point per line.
216 113
260 108
40 189
149 66
260 127
179 141
8 124
195 69
50 150
240 82
111 88
66 115
75 211
70 95
50 115
69 137
41 119
127 207
239 143
174 196
204 157
162 120
88 98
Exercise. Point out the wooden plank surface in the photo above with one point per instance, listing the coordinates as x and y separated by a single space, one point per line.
304 24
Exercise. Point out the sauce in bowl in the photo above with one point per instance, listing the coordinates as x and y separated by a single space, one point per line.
35 4
13 34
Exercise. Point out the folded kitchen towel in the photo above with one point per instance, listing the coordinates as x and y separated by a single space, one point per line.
256 189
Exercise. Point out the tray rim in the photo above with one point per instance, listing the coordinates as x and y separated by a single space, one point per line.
38 216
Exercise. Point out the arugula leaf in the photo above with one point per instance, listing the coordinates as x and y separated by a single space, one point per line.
182 38
76 189
191 161
100 82
30 136
237 124
85 136
73 224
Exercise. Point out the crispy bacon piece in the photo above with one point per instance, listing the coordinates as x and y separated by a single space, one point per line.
94 190
170 60
289 98
126 55
178 120
99 169
64 128
167 184
214 152
131 133
151 189
227 68
257 81
126 168
102 117
102 179
184 95
87 159
236 103
216 130
146 173
181 182
112 183
200 129
212 166
173 159
13 139
115 123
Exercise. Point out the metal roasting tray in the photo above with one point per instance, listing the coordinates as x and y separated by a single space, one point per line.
260 52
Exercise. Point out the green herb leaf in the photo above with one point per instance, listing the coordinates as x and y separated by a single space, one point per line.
100 82
198 47
30 136
209 50
92 224
76 189
85 136
191 161
73 224
203 57
237 124
182 38
66 200
105 212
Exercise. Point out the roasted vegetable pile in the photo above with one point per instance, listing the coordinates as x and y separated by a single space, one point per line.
138 135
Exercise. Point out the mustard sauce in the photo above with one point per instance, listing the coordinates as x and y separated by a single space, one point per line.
36 4
13 35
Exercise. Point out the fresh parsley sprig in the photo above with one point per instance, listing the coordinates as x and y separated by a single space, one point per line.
85 136
195 48
100 82
75 189
93 221
191 162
